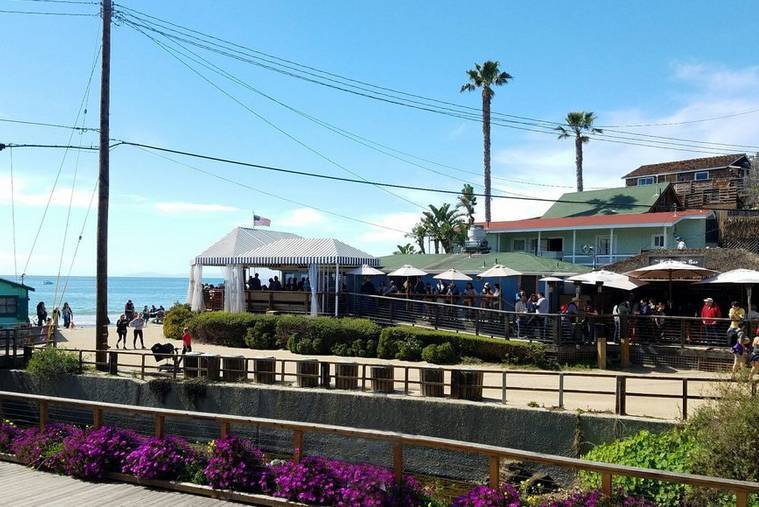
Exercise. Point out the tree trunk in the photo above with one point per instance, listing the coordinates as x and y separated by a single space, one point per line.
437 246
486 148
578 161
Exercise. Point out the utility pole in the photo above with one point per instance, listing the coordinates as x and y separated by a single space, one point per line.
101 318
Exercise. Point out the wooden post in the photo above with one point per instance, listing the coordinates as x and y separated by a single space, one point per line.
405 380
601 352
476 321
621 405
113 362
503 388
101 298
97 417
142 367
624 351
223 428
741 498
685 399
398 462
606 483
43 414
297 445
494 467
159 425
561 390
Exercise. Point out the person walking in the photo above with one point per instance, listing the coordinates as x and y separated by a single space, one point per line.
737 315
121 330
68 316
740 351
41 314
137 325
709 312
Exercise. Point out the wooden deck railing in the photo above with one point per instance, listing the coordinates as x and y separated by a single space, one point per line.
398 442
327 375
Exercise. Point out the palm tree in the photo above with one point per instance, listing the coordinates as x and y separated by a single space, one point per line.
467 201
486 76
419 234
408 248
580 124
445 226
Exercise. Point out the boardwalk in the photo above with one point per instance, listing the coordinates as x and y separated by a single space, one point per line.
22 486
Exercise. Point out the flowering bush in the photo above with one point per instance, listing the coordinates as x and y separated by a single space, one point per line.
593 498
235 464
43 449
92 454
160 458
8 433
310 481
483 496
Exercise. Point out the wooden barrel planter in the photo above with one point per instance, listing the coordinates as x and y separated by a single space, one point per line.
308 373
235 369
466 385
265 368
191 364
346 376
210 366
383 379
432 382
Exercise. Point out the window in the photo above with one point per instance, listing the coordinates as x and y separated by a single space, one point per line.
603 246
7 306
517 245
701 176
554 245
657 240
646 180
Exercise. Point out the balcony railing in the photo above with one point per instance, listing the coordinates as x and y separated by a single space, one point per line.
698 194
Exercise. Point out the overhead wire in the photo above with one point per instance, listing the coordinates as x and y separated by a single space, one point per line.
13 218
45 13
44 124
272 124
452 109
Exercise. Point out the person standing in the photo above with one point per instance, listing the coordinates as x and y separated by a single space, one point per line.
129 310
146 315
121 330
68 316
621 311
737 316
709 312
186 341
740 350
521 308
137 325
754 358
41 314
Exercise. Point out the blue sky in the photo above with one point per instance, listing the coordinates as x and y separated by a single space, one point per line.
630 62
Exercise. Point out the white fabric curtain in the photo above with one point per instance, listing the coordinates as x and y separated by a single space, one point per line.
234 296
195 289
313 280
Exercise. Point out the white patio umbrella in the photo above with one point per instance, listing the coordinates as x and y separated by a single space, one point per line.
745 277
365 270
407 270
453 275
608 279
670 271
498 271
550 279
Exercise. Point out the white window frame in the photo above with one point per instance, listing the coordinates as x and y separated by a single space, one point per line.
513 245
646 180
696 178
653 240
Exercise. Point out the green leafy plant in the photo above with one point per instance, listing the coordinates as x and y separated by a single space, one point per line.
263 334
50 363
221 328
175 320
440 354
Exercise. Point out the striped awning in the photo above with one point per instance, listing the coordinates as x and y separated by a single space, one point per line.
236 243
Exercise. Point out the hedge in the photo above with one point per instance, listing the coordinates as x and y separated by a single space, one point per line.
221 328
175 320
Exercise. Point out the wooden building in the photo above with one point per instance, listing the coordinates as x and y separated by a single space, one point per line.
14 303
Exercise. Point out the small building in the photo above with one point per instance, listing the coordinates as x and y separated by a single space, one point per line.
713 182
599 227
14 303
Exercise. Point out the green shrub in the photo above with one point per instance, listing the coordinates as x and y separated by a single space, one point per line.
263 334
394 343
221 328
175 320
440 354
50 363
327 335
664 451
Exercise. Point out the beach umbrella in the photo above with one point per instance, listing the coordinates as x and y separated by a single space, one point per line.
498 271
736 277
550 279
608 279
670 271
453 275
407 270
365 270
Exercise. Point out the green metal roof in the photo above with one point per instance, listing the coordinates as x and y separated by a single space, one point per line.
607 201
15 284
525 263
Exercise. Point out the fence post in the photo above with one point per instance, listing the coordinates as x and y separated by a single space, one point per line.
223 428
142 366
561 390
503 388
437 315
477 322
363 377
43 414
81 361
494 467
113 362
97 417
27 354
685 399
159 424
741 498
557 330
297 445
606 483
405 380
506 329
621 408
398 462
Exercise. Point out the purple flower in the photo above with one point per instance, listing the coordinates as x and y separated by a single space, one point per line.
92 454
43 449
593 498
8 433
235 464
160 458
483 496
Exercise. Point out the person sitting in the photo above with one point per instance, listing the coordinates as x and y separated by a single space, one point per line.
737 316
469 294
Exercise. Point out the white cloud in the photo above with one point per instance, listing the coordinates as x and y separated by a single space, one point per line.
193 207
23 195
396 222
300 217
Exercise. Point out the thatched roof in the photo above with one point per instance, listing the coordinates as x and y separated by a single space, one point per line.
718 259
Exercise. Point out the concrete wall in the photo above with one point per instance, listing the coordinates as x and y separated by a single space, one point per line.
490 423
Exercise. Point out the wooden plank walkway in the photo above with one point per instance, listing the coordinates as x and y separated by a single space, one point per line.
21 486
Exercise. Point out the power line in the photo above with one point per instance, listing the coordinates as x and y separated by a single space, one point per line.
684 122
42 13
54 125
75 2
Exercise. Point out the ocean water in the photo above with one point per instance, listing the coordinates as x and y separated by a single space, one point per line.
80 294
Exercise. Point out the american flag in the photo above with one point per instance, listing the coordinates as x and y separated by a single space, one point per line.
259 220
